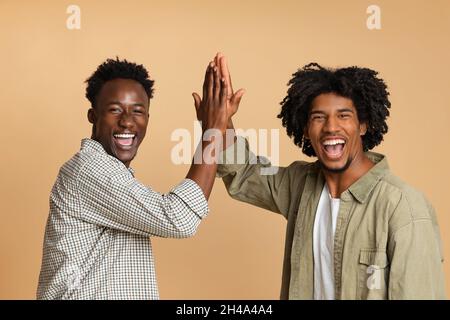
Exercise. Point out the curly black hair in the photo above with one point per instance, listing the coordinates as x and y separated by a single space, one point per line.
113 69
368 93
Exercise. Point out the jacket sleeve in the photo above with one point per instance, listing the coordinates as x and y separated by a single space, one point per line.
415 253
253 179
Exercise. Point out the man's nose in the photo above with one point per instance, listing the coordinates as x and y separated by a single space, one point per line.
331 125
126 120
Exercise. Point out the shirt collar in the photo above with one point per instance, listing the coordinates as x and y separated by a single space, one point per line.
362 187
92 145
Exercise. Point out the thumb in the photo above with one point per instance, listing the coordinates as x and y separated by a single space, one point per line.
197 100
236 98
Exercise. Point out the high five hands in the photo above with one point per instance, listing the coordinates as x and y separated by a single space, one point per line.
219 102
214 110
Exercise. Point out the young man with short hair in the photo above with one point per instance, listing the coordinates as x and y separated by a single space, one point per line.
97 239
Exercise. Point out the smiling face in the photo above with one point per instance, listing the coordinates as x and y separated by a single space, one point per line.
120 118
335 132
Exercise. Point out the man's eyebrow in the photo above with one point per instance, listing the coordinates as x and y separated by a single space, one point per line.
339 110
345 110
114 102
137 104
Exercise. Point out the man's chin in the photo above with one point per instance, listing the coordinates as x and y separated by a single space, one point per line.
336 168
125 158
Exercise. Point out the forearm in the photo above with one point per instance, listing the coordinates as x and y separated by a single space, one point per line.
204 172
230 137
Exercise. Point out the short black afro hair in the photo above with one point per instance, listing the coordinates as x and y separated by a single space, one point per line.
368 93
114 69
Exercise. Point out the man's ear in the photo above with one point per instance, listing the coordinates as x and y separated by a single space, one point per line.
362 128
92 117
305 133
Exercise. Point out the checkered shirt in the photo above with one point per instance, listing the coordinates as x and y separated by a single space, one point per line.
97 238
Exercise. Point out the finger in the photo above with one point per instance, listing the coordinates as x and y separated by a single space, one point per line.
217 58
223 92
217 84
225 72
236 98
205 82
197 100
210 82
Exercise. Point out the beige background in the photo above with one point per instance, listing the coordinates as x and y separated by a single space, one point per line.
237 252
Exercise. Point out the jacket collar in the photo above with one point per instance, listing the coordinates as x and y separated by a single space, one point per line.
362 187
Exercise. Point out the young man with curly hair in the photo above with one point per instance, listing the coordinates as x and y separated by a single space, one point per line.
97 239
354 230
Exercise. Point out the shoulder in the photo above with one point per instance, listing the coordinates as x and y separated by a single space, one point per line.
90 164
299 170
297 173
302 167
410 205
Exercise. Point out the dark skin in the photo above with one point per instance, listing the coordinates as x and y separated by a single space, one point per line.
331 118
233 98
121 116
212 111
122 107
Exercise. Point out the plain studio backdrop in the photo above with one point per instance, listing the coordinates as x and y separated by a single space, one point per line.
238 249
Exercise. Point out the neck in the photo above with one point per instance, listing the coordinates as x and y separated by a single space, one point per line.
339 182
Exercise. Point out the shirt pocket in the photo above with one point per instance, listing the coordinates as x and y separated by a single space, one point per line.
373 274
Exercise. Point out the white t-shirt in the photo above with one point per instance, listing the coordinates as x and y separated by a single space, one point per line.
323 245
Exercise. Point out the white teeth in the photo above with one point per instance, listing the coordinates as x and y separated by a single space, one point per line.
333 142
124 135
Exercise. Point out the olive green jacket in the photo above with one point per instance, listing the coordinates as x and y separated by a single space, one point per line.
387 243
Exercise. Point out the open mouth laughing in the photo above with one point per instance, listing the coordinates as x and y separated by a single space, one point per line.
124 141
333 147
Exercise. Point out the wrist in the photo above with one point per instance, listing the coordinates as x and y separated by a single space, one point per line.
230 124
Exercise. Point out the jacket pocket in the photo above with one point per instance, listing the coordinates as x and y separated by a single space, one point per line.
373 274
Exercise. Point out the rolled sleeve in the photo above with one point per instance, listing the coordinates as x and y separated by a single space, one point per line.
252 179
234 158
192 195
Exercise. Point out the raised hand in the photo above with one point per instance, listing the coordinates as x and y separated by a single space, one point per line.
212 112
232 99
212 109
